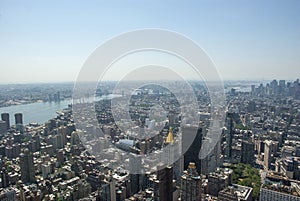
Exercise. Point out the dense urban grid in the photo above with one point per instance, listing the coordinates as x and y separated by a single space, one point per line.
257 156
16 94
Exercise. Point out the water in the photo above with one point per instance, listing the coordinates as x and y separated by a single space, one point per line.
239 88
41 112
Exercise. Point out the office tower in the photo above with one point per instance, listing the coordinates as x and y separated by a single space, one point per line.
289 167
282 83
269 149
281 87
213 159
171 150
229 134
60 156
134 183
170 137
190 184
19 118
253 90
37 141
5 117
163 186
178 169
121 193
4 178
27 167
172 155
172 118
274 87
267 154
108 189
232 92
247 155
191 142
46 169
135 166
3 128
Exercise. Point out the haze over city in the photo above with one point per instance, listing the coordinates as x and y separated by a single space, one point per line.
148 100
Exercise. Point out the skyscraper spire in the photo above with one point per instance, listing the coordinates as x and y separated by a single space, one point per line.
170 138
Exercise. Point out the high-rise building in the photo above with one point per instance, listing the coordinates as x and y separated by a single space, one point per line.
229 135
19 118
190 184
171 149
247 155
213 159
5 117
136 177
269 149
172 116
163 186
191 142
252 89
27 167
3 128
4 178
60 156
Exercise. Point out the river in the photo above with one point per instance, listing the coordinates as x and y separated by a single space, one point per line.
41 112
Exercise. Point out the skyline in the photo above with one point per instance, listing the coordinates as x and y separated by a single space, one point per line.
49 42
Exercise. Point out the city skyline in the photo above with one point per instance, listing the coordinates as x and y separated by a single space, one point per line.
49 42
145 100
111 159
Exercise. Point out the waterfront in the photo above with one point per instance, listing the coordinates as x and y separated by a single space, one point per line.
41 112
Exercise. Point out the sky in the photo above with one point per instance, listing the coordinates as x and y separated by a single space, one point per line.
49 41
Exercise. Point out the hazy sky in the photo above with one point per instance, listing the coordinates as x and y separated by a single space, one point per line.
48 41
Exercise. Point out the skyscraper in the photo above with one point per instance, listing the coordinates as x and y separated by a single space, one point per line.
191 142
27 167
247 156
135 166
269 149
19 118
229 135
3 126
171 149
19 122
163 186
170 138
5 117
108 190
191 184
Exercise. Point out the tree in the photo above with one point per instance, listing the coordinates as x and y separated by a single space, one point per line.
245 175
